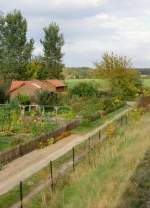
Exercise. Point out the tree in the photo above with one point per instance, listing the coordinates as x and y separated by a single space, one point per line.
52 45
34 69
125 82
15 50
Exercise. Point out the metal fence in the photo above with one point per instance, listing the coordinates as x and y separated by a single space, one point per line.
58 168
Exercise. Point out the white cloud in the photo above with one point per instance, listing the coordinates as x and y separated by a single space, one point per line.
91 27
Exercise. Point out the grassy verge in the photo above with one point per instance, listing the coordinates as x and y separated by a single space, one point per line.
104 179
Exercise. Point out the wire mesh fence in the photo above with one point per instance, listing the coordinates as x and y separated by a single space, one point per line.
52 175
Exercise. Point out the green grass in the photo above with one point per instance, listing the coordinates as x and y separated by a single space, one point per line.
146 83
5 142
8 141
103 84
112 171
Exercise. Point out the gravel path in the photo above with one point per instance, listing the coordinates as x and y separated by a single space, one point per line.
24 167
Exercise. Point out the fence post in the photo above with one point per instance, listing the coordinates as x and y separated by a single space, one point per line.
126 119
89 143
121 120
51 175
21 195
99 135
73 158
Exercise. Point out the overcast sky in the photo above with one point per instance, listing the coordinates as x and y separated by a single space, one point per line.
91 27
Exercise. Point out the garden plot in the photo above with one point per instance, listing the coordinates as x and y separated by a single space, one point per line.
16 129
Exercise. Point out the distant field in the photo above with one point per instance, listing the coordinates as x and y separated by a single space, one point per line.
99 82
146 83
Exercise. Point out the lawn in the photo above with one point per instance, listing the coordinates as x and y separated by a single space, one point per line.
116 177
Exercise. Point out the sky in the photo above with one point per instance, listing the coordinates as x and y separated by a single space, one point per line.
90 27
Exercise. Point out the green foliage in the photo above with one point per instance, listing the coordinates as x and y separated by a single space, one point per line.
4 87
83 89
15 51
124 81
22 99
91 107
52 45
47 98
34 69
111 104
67 115
100 84
39 127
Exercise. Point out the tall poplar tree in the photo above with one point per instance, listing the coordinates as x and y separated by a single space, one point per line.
52 46
15 50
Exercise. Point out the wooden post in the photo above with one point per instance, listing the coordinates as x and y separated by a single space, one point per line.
21 195
121 121
73 158
51 175
89 143
99 135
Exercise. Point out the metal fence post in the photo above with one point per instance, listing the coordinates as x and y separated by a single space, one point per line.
99 135
121 121
89 143
21 195
51 175
73 158
126 119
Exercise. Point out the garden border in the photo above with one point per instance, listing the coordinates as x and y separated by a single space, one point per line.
22 149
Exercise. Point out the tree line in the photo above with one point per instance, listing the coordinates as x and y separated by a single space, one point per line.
16 60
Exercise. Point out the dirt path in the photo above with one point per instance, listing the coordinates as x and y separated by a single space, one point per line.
24 167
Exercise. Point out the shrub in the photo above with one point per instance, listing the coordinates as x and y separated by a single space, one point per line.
112 103
22 99
47 98
83 89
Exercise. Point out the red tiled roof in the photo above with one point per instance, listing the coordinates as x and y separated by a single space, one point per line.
15 85
36 83
56 83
